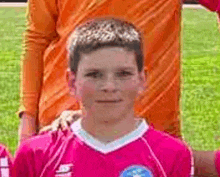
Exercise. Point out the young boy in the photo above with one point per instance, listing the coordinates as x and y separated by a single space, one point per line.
44 92
106 75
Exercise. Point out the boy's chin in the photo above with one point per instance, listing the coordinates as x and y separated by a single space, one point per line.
109 120
107 117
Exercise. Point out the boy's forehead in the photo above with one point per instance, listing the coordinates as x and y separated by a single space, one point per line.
97 68
108 57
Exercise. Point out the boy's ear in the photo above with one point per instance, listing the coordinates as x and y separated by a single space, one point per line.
143 75
142 79
71 77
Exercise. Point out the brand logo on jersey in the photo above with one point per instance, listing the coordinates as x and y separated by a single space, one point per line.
65 170
136 171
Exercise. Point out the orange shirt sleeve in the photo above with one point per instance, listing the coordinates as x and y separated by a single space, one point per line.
40 31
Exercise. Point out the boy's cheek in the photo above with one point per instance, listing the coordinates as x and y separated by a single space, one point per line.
130 87
132 83
87 92
89 86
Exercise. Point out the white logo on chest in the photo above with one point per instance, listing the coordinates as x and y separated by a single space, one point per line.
64 170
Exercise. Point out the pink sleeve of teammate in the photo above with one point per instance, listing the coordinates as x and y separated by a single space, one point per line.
5 162
213 5
23 163
26 163
217 161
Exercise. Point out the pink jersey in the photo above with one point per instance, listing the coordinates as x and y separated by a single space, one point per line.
213 5
5 162
217 161
144 152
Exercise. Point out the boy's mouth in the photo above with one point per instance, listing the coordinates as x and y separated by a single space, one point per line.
108 101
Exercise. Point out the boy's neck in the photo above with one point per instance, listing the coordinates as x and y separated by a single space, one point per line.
106 132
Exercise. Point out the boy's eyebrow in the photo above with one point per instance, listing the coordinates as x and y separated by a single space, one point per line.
119 68
92 69
126 68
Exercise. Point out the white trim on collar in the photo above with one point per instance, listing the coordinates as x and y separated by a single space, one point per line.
88 139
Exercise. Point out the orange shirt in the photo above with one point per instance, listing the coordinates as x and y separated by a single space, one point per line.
44 89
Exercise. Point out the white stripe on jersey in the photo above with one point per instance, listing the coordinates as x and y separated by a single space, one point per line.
192 172
161 167
192 163
4 162
4 167
4 172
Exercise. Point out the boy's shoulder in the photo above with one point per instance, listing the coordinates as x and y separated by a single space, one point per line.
5 161
39 150
3 150
46 141
5 153
170 152
162 140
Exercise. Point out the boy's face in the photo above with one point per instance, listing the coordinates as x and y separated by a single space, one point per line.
107 82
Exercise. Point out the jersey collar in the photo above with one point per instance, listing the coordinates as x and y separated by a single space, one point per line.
88 139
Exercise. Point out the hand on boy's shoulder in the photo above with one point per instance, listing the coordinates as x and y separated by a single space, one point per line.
63 121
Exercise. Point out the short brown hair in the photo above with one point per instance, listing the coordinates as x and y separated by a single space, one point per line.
104 32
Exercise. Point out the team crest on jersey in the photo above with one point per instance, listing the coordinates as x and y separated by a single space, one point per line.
136 171
65 170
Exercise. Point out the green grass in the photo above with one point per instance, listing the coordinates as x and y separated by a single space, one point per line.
201 79
200 70
12 22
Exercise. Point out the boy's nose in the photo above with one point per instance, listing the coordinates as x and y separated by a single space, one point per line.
109 85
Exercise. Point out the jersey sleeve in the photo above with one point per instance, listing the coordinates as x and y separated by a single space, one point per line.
40 31
29 157
23 163
185 161
217 161
33 155
174 155
213 5
6 162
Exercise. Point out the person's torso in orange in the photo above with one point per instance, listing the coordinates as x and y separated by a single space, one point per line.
159 21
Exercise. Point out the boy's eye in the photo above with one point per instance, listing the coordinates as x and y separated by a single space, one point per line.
124 73
93 74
